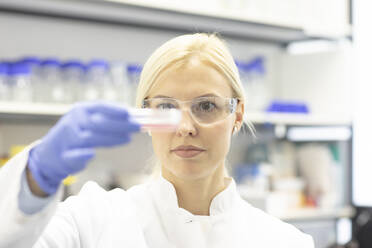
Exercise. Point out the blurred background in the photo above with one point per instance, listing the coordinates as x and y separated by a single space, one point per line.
304 65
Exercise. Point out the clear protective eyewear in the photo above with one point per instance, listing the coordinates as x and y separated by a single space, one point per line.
204 110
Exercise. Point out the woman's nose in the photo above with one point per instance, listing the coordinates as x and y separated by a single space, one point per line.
186 126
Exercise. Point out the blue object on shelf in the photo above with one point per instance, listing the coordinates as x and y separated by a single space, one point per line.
31 60
19 68
255 65
101 63
74 64
288 107
133 68
50 62
133 73
4 67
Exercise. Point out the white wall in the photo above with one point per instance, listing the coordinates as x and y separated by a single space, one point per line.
362 159
44 36
322 79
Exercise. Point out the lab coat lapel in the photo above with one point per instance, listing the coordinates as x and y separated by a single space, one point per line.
180 224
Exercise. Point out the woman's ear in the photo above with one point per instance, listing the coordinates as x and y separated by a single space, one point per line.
239 116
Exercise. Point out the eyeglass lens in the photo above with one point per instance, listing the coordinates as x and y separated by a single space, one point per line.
204 110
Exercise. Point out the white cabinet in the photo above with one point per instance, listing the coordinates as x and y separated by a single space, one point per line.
326 18
318 18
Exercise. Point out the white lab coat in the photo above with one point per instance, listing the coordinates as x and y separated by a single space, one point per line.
144 216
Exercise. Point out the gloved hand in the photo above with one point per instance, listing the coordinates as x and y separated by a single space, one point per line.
69 145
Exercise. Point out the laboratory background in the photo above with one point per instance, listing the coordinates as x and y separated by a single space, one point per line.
305 66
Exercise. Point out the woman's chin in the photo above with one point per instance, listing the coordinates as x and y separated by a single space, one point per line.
190 171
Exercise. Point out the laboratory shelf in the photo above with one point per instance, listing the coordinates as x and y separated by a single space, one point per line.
296 119
306 214
33 110
138 14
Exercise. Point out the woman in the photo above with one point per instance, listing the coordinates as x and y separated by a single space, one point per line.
192 204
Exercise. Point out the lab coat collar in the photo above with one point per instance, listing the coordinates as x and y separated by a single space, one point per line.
165 196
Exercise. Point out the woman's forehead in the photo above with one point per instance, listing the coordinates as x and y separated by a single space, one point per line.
191 82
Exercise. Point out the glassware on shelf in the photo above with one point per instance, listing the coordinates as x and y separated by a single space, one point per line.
133 75
258 86
50 80
19 76
96 84
34 63
5 91
50 85
253 77
72 75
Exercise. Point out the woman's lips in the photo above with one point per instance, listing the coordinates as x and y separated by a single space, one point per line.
187 153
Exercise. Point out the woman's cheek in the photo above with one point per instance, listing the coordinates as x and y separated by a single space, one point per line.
160 144
220 135
221 130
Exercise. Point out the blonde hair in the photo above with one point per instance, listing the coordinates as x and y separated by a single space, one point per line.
208 48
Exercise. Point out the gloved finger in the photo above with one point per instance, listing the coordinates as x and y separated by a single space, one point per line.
109 109
102 123
77 118
76 160
88 139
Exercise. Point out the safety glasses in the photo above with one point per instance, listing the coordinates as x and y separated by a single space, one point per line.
204 110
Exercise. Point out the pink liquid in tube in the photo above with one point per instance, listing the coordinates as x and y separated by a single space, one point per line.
156 120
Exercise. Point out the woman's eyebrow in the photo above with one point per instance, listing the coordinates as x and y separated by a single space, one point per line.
162 96
209 94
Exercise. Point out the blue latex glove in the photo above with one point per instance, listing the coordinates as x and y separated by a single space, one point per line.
69 145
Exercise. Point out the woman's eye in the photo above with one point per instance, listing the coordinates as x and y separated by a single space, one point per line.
165 106
207 106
